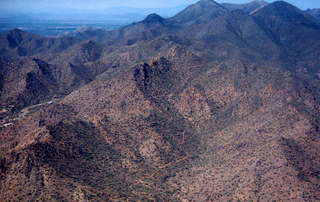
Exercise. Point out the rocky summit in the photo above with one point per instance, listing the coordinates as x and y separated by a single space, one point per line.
220 102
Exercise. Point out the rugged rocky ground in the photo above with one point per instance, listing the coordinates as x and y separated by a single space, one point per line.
210 105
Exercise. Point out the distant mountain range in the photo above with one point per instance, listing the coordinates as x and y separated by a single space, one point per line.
219 102
54 23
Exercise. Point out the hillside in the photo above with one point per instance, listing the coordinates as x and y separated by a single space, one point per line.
213 104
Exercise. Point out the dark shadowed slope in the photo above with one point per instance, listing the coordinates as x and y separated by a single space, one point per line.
233 35
294 31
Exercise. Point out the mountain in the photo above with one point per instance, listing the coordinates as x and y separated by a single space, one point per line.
234 35
30 81
190 130
70 65
202 11
213 104
296 32
149 28
314 12
21 43
247 7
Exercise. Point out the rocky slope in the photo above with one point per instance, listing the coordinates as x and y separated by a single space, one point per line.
165 131
210 105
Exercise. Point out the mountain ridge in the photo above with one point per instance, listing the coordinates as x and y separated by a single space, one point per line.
200 11
246 7
314 12
213 104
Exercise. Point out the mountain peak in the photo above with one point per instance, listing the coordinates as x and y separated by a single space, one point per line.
281 4
208 3
199 12
281 7
16 36
284 11
154 18
20 32
15 30
278 8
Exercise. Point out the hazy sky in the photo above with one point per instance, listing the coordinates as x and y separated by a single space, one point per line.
100 4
